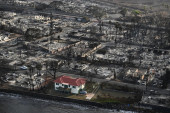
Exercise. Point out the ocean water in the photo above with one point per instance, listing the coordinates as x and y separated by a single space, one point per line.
10 103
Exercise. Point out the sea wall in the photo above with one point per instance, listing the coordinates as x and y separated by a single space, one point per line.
64 99
137 107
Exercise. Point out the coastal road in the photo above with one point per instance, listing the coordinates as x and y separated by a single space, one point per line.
98 80
141 87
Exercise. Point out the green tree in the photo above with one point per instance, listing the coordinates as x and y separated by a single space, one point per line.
136 12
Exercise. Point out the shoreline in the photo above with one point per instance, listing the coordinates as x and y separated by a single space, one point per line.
70 100
134 108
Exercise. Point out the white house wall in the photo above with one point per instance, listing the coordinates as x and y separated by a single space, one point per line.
73 90
82 86
60 85
57 86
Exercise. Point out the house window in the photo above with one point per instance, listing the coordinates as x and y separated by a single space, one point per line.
74 86
57 83
65 86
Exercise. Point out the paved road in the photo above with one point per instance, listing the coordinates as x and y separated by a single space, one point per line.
142 87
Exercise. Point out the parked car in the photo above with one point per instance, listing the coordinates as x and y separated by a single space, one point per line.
83 92
24 67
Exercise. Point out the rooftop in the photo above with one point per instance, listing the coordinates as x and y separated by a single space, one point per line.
69 80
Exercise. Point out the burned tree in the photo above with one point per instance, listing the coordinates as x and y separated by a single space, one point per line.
39 68
54 67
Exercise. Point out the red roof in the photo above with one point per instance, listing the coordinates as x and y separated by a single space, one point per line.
70 81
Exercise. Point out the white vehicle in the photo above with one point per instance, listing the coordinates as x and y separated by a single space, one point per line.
24 67
143 83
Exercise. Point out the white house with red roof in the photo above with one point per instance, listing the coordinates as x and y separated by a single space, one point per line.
67 82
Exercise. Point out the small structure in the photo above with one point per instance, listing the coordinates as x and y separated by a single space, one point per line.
69 84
